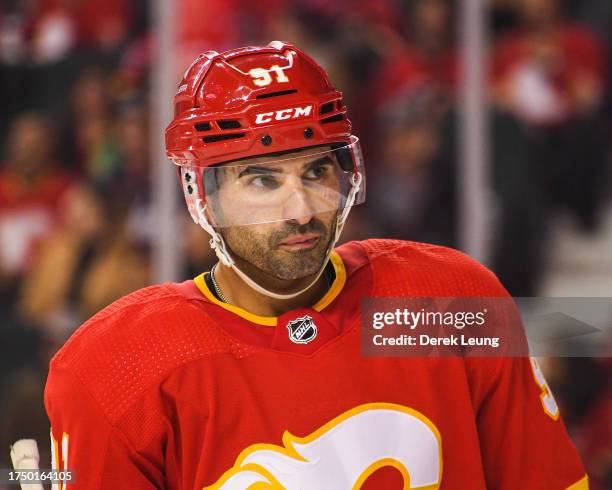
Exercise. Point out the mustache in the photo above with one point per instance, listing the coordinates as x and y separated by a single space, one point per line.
313 226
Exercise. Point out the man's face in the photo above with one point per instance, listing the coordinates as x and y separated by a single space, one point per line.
293 201
30 143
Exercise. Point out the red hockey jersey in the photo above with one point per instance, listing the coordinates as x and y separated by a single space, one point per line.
170 388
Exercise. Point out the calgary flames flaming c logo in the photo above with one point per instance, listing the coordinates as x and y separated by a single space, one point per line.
343 453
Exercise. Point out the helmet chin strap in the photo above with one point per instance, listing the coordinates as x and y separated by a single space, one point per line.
218 244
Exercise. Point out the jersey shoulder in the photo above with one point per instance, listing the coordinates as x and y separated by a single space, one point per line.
402 267
138 340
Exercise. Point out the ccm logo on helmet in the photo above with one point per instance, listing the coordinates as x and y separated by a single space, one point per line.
283 114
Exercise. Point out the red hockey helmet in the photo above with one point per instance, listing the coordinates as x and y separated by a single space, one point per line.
258 101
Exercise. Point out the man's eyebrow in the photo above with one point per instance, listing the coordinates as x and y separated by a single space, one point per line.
253 169
319 161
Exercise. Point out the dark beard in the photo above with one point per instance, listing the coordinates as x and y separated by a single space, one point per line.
263 252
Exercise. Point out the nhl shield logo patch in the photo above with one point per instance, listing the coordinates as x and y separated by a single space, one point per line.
302 330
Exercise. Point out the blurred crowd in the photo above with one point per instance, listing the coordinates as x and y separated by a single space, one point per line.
76 221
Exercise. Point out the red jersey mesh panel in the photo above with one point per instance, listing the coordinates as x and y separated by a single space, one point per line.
421 269
139 339
141 296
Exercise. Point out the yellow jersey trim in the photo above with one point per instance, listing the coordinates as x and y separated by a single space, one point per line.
271 321
337 286
582 484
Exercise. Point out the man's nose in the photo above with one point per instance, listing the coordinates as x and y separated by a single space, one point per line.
299 207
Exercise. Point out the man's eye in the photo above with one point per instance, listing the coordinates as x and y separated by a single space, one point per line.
264 182
317 172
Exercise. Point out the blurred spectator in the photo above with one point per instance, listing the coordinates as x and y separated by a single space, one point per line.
58 26
550 73
419 70
550 69
31 185
413 196
427 60
92 260
132 73
87 137
67 252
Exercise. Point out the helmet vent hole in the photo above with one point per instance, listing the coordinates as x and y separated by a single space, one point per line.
222 137
276 94
325 108
230 124
336 118
203 126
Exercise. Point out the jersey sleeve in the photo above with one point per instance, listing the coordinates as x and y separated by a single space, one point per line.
83 440
523 440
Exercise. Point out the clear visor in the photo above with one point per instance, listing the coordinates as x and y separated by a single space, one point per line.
298 186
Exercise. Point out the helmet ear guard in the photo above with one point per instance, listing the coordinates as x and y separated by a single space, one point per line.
190 178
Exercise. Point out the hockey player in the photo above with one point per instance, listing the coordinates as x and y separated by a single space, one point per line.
251 375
